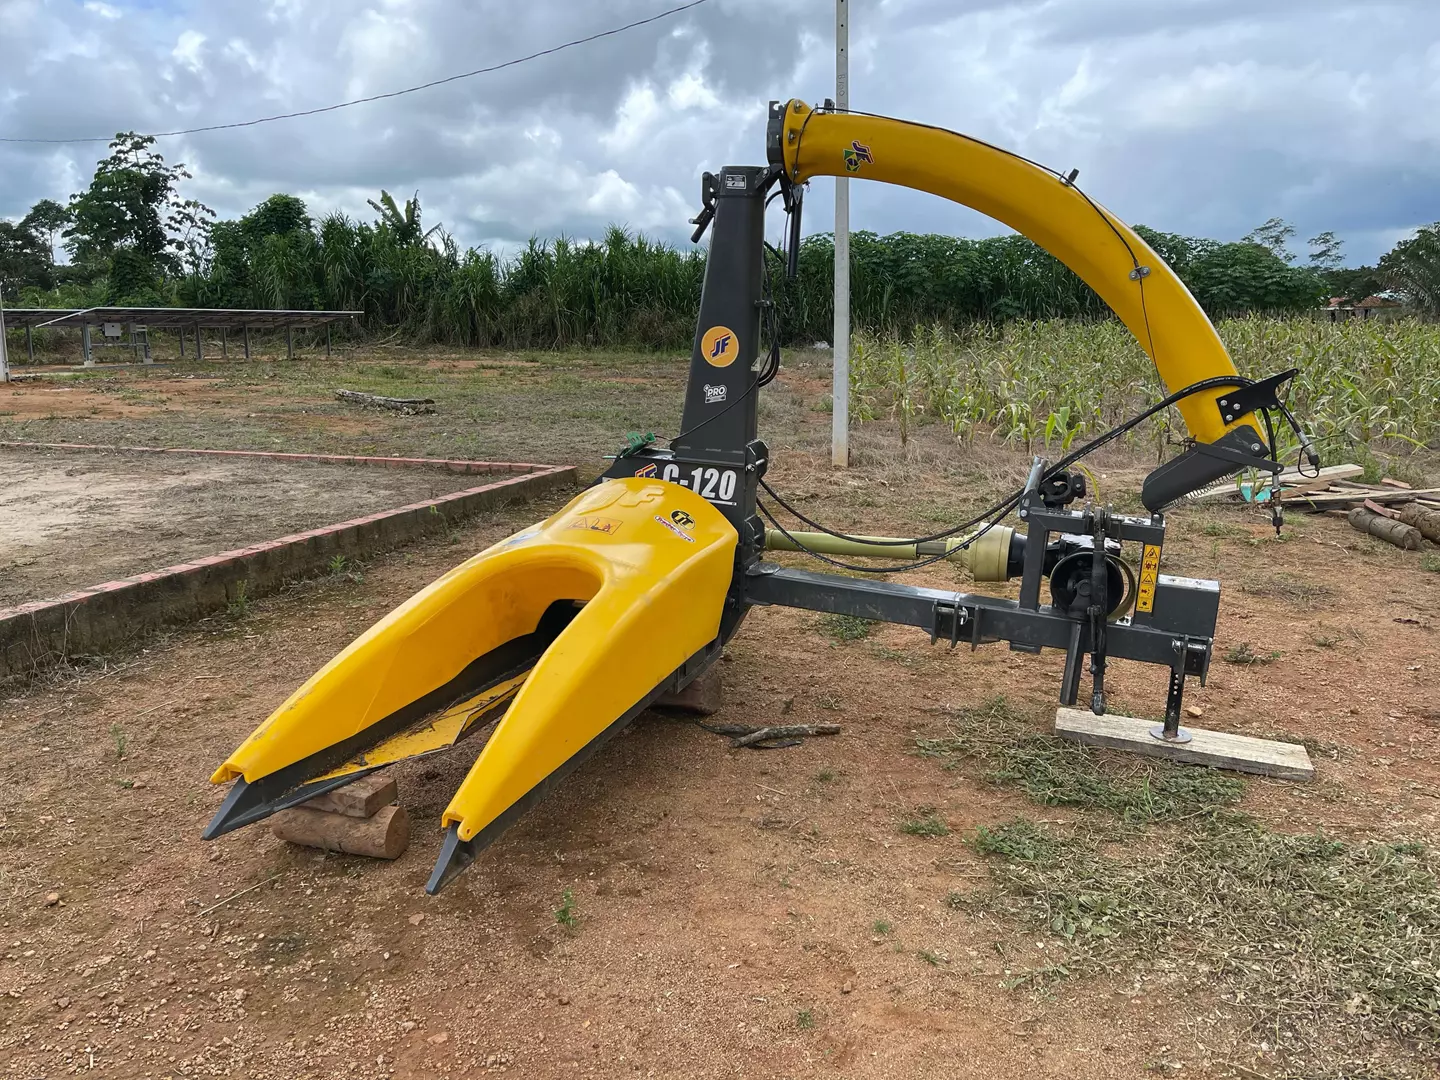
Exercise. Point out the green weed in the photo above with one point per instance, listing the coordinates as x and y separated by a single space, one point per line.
925 822
842 628
805 1019
239 604
117 735
566 914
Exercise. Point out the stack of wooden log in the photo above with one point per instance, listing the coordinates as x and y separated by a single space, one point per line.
1391 510
362 818
1409 526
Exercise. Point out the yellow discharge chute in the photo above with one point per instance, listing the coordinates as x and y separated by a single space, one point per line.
1105 252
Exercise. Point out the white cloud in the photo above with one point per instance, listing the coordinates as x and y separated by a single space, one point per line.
1198 116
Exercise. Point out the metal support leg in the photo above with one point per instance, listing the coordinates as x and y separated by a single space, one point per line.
145 337
182 342
85 345
1171 731
224 344
290 342
199 345
1074 664
29 344
327 341
247 343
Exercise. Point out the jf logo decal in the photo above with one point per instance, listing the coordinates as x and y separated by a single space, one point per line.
857 155
719 346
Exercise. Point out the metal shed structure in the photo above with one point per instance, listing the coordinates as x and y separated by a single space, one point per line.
129 327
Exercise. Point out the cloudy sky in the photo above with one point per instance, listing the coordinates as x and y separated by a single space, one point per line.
1198 116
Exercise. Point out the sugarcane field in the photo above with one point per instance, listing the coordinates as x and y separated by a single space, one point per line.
873 610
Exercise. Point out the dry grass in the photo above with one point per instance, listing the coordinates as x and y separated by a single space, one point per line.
1328 948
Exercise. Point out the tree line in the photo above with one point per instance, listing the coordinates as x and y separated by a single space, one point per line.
133 239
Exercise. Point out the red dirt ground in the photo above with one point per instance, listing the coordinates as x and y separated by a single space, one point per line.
727 901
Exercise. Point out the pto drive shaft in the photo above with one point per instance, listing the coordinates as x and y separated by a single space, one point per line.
996 556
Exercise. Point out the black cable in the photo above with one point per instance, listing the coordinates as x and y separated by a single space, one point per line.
396 93
1000 510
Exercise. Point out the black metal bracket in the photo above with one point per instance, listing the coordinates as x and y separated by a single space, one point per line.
702 220
1263 394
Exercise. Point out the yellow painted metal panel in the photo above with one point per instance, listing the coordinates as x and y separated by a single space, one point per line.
432 734
653 591
1157 307
669 567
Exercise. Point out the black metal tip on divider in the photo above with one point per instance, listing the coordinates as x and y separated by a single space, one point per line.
455 856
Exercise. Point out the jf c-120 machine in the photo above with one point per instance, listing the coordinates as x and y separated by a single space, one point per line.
556 638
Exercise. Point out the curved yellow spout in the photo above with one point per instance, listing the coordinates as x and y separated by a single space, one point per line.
1105 252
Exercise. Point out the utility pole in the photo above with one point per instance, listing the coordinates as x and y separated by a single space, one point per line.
4 348
840 390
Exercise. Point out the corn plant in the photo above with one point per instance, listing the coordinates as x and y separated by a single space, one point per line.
1362 384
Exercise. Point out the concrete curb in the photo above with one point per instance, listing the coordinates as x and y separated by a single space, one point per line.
43 633
449 465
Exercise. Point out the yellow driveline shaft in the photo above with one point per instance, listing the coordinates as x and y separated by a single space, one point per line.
986 558
1152 301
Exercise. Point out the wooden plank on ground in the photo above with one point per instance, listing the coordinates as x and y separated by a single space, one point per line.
1355 498
1217 749
361 799
1295 481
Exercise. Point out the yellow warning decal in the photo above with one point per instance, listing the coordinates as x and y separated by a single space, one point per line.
597 524
1149 571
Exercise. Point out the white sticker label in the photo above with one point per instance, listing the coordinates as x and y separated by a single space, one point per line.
714 394
716 485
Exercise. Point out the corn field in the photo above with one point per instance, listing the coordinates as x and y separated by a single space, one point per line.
1363 384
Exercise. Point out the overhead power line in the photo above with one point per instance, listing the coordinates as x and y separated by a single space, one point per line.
393 93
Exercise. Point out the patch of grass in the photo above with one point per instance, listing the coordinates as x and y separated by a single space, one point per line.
841 628
117 734
1056 773
1016 839
805 1019
881 927
933 958
1244 655
898 656
1222 529
565 914
1332 948
825 775
925 822
1324 639
1430 561
1300 592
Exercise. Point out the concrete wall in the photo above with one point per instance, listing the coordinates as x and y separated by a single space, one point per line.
43 633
